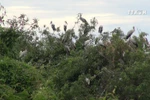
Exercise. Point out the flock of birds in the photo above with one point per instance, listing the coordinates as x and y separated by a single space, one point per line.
65 25
126 37
100 30
55 29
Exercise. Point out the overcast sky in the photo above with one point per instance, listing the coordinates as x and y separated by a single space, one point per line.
109 13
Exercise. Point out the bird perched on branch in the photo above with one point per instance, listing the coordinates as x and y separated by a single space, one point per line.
130 33
53 26
22 53
87 80
133 41
100 29
67 49
65 26
1 20
82 19
146 41
88 42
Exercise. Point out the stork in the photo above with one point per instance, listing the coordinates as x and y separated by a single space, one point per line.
58 29
130 33
146 40
100 30
67 48
82 19
65 26
133 41
22 53
2 20
53 26
100 42
88 42
87 80
145 43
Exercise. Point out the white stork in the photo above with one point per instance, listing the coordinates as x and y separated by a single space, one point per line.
65 26
130 33
100 30
133 41
87 80
22 53
88 42
82 19
53 26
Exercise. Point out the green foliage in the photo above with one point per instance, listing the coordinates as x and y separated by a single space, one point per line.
8 39
19 78
134 83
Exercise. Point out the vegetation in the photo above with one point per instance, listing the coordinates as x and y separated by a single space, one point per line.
56 68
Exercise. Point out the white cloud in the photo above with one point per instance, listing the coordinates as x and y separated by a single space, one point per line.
26 10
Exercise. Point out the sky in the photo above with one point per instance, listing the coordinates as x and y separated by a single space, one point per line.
109 13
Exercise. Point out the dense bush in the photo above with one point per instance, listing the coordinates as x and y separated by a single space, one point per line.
17 79
8 39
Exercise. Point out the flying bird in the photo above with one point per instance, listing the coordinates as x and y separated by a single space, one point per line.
53 26
65 26
130 33
82 19
100 30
